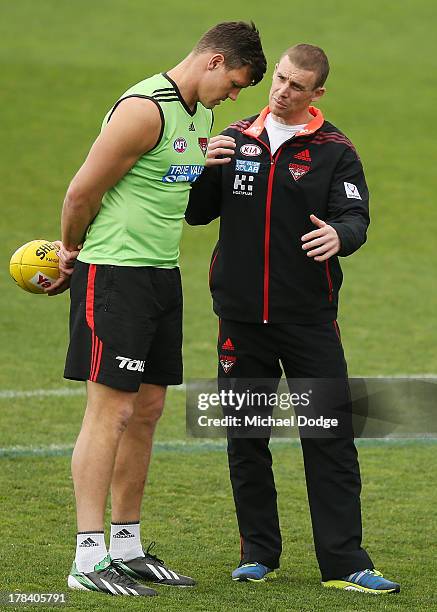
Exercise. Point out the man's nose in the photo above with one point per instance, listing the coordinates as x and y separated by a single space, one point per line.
233 95
282 90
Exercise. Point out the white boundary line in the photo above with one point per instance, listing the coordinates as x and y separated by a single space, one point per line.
195 446
428 375
67 391
51 450
62 392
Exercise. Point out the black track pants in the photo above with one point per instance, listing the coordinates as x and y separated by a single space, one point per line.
255 351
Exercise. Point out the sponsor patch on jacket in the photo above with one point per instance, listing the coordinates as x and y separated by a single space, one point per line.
227 362
246 165
242 184
251 150
351 191
182 174
203 144
298 170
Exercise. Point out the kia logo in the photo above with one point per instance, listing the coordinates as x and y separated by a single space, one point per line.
251 150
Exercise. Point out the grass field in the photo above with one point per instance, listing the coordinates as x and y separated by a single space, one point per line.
63 64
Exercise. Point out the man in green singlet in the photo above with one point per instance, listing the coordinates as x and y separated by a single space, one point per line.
126 206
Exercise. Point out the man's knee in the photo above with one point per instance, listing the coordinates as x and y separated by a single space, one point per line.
149 413
149 405
123 416
109 407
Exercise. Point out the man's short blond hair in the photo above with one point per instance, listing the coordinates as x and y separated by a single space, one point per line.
309 57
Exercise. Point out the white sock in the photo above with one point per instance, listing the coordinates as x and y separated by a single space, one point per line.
125 541
90 550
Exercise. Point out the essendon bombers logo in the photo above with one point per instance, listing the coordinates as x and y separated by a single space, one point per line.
298 170
203 144
227 362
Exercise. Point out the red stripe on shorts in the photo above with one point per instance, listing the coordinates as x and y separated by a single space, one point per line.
90 296
93 344
96 343
94 354
98 360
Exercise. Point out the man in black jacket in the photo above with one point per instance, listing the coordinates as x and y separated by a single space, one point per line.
290 192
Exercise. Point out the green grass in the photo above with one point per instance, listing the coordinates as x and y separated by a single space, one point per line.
196 529
63 64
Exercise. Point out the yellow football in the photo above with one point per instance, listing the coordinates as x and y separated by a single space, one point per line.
34 266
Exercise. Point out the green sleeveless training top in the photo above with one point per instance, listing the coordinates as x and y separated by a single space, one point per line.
140 220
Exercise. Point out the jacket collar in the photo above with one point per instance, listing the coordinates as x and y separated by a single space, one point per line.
257 126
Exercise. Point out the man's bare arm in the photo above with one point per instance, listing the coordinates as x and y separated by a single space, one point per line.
133 130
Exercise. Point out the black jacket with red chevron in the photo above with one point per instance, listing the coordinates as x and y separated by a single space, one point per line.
259 272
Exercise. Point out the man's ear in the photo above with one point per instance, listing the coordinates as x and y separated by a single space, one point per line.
318 93
215 61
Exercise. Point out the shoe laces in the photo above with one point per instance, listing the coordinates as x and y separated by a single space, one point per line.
374 572
114 568
371 572
149 554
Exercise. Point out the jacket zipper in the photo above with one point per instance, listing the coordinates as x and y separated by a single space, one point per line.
273 160
267 242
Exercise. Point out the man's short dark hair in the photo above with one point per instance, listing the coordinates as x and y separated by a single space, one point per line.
239 42
309 57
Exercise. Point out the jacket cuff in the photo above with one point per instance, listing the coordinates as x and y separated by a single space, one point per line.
347 243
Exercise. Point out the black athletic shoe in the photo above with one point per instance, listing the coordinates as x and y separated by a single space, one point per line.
152 569
107 578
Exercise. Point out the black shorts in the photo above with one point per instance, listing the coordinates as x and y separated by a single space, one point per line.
125 326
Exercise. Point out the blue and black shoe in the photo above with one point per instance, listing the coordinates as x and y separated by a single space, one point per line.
365 581
253 572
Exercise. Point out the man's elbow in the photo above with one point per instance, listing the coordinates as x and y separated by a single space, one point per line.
196 220
79 200
192 220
